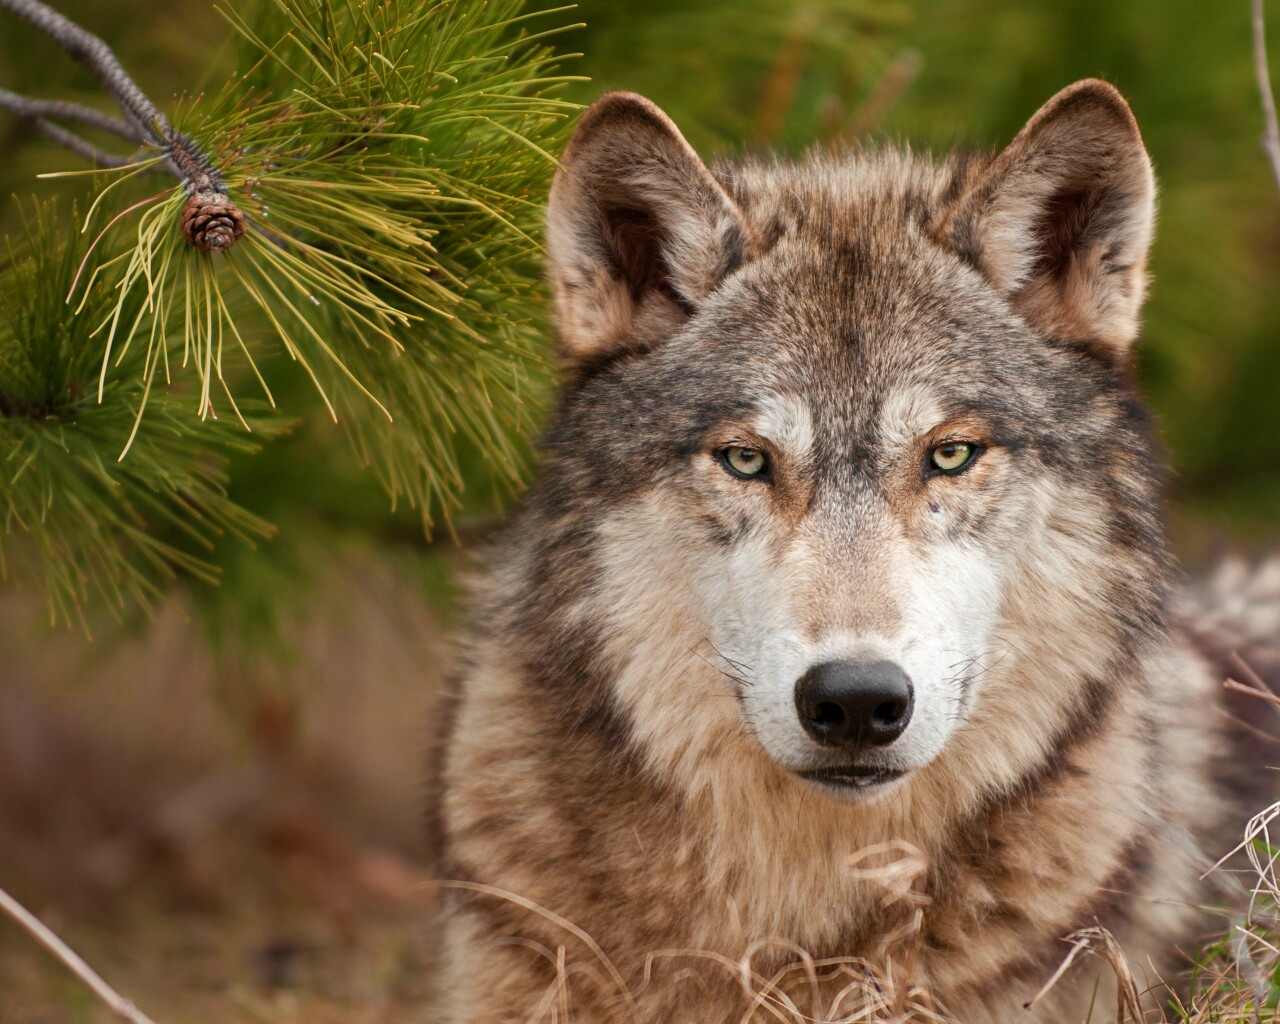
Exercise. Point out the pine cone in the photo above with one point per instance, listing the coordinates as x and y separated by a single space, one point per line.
211 222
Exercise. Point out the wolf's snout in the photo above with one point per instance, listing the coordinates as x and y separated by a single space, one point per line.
854 704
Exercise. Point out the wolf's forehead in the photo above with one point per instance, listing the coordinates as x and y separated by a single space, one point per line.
888 340
785 419
839 361
799 421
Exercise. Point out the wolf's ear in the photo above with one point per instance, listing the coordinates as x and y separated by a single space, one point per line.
638 230
1061 221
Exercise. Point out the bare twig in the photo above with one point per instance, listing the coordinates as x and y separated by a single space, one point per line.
120 1006
96 55
1253 683
60 110
1252 690
81 147
192 166
1271 139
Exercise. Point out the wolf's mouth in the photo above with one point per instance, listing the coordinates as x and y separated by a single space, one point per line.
852 776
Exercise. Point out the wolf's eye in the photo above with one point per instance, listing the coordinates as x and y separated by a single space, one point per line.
951 457
747 463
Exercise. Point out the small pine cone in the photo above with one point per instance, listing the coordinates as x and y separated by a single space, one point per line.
211 222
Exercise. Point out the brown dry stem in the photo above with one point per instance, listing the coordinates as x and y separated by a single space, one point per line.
119 1005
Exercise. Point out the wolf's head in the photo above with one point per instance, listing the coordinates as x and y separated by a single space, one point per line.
847 462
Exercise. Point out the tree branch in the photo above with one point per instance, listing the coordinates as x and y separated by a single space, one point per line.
119 1005
96 55
30 109
1271 139
206 191
79 146
38 112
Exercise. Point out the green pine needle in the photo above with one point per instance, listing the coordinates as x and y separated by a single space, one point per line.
390 160
91 530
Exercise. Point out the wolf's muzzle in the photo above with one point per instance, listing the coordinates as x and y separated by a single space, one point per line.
854 705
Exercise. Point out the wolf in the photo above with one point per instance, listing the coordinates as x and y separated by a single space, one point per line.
846 552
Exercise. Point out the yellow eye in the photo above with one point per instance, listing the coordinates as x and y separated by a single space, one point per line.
952 456
744 462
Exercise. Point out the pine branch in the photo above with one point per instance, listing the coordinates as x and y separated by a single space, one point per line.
96 155
60 110
390 164
93 53
408 188
210 221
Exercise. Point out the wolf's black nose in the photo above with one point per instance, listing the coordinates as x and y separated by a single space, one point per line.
854 704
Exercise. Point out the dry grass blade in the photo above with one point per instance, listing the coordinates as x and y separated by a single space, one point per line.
770 996
902 879
119 1005
900 876
791 988
1099 942
1262 854
1253 684
1256 844
489 890
1251 689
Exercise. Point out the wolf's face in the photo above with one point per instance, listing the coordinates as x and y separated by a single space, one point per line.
853 488
853 433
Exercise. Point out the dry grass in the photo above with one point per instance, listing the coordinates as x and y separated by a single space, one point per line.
1234 980
803 990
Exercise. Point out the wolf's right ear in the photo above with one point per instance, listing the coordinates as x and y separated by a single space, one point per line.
639 232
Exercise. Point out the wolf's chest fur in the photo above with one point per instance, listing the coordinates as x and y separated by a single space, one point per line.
749 865
837 637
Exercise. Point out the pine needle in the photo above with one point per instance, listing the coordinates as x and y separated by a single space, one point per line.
390 162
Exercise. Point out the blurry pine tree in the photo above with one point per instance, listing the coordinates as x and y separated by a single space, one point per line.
361 195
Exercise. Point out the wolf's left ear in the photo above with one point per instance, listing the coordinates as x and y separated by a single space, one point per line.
1060 222
639 232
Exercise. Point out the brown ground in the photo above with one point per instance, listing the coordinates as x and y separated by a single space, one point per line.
221 844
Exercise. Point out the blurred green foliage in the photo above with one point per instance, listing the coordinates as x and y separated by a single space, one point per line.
101 534
748 74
